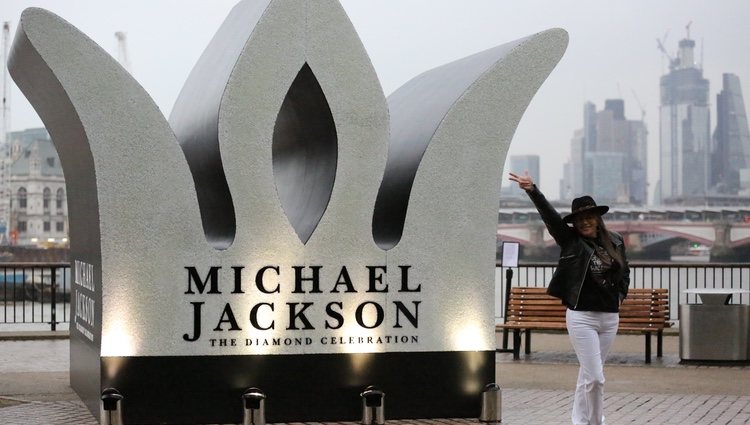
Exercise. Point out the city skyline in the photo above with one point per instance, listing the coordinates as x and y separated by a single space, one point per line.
608 158
612 53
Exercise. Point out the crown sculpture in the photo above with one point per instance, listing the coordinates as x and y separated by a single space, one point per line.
289 228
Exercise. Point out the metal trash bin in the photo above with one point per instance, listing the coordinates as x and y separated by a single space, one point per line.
253 405
715 330
492 404
373 406
110 408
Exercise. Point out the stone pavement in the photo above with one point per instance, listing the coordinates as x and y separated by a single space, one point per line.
537 389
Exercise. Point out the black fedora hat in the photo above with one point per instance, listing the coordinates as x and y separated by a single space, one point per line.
582 205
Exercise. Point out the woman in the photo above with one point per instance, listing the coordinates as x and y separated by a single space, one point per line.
591 279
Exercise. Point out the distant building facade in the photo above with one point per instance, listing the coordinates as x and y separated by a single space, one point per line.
38 206
684 133
608 158
572 181
731 141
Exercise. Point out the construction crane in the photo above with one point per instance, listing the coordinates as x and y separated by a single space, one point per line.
673 62
640 106
122 50
5 163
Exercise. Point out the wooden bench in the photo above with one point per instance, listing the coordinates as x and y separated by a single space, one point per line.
644 311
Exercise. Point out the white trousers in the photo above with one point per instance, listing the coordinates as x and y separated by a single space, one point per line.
591 333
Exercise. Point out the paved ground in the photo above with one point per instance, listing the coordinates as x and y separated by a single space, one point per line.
664 392
537 389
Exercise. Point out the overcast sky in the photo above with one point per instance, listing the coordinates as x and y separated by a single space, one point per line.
612 52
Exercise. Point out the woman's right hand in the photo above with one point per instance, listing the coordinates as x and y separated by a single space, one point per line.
524 182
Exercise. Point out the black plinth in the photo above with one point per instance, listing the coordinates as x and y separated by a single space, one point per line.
300 388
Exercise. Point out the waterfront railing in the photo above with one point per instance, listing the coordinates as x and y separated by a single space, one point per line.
35 293
39 293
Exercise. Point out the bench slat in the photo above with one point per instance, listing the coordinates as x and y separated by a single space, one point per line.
644 311
532 308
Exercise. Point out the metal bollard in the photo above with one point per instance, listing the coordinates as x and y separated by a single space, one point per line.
373 406
110 410
253 404
492 404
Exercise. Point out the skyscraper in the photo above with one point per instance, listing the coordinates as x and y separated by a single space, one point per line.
608 157
684 132
731 153
572 181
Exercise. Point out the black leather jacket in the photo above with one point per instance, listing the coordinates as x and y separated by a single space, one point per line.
575 255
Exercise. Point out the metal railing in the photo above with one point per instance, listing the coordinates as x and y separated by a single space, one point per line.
40 292
35 293
672 276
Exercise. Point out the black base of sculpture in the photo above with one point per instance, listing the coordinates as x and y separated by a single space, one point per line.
309 388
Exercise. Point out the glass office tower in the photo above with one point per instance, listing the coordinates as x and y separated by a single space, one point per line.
684 134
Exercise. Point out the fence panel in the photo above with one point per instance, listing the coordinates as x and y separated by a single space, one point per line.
35 293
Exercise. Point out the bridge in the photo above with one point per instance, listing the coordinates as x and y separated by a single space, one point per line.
722 228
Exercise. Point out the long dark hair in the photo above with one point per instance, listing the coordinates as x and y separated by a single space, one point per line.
604 239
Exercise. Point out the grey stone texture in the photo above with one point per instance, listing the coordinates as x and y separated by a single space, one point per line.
463 115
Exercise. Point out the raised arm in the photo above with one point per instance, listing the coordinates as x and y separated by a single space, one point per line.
552 219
